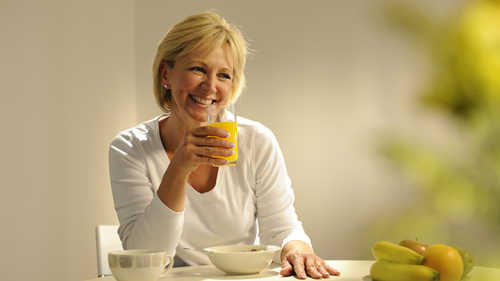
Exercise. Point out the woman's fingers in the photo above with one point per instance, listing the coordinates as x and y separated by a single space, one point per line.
325 269
204 141
307 265
208 151
215 161
304 261
201 145
286 268
297 262
331 270
204 145
322 270
312 267
210 131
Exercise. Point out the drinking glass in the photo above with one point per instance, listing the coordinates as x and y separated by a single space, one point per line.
227 120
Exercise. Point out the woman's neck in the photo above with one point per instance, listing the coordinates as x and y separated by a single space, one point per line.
172 131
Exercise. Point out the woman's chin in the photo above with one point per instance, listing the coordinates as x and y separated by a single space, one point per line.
198 120
194 118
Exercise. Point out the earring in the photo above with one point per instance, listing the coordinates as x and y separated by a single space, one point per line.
166 86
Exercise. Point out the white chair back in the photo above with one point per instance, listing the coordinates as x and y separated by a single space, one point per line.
107 240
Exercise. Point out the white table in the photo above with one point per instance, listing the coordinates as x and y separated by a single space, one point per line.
350 270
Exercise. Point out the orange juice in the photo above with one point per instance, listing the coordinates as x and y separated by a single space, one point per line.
231 127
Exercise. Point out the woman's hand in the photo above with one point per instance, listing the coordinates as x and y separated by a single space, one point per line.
198 148
299 257
194 149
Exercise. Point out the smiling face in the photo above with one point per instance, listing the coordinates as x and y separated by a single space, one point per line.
200 80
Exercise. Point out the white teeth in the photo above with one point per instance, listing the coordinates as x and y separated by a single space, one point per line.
202 101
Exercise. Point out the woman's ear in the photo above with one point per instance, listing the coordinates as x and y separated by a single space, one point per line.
165 71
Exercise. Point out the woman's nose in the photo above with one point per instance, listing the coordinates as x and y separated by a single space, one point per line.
209 83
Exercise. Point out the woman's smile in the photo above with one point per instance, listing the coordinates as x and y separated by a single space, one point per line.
203 102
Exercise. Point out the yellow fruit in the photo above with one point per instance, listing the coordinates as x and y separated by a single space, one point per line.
390 271
414 245
446 260
388 251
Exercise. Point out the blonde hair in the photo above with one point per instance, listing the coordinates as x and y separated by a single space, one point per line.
206 30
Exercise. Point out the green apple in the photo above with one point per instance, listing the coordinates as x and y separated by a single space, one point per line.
468 261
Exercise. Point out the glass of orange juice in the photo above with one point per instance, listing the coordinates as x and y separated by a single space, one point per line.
227 120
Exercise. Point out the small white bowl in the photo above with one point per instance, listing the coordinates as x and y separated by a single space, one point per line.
139 265
242 259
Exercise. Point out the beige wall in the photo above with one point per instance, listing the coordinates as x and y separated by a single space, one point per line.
323 76
67 87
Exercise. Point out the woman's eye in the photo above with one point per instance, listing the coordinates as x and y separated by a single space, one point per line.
198 69
225 76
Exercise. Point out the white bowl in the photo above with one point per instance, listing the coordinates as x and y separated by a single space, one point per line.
139 265
242 259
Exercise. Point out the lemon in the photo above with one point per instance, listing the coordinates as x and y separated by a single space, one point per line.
446 260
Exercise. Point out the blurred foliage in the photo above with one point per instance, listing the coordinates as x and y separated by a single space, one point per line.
457 197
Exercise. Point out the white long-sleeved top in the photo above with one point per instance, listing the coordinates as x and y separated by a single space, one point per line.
253 196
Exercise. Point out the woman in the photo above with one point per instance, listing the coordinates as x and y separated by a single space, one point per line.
170 190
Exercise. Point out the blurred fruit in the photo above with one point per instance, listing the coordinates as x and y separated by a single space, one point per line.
390 271
414 245
467 259
385 250
446 260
